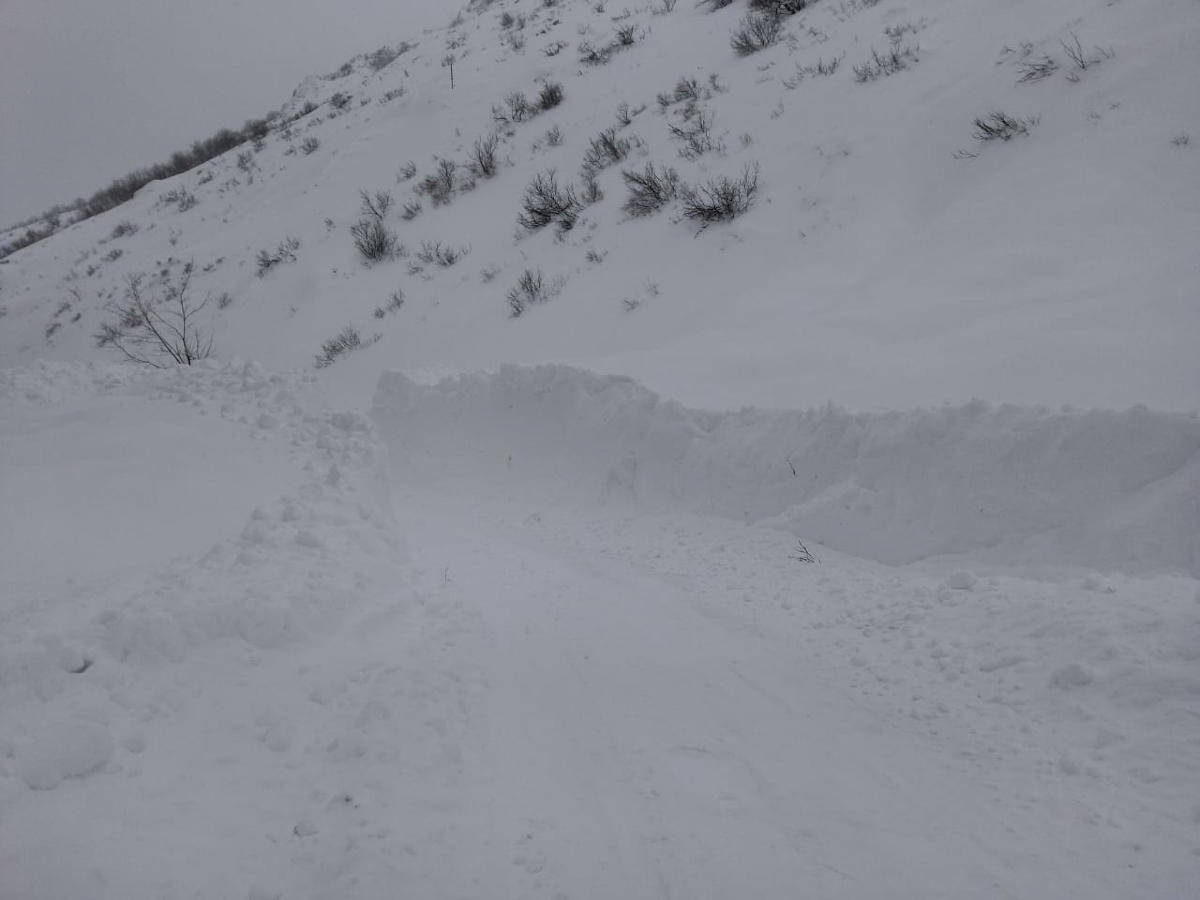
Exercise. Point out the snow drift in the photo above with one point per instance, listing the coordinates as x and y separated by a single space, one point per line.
1106 489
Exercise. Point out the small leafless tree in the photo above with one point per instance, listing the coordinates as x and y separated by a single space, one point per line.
154 331
483 156
376 206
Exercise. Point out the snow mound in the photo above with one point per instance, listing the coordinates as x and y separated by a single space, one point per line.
251 516
1105 489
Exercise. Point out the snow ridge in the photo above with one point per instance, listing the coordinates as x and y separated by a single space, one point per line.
1104 489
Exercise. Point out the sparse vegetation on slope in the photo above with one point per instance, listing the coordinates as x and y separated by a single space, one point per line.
157 331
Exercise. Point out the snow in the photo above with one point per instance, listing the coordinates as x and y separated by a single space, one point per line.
1006 484
856 555
877 271
423 667
63 750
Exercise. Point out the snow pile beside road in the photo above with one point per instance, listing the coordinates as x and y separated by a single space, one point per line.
145 515
1104 489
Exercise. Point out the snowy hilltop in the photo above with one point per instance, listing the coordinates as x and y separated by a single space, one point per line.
742 449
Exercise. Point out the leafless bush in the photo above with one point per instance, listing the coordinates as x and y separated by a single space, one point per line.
374 241
687 89
756 31
123 229
591 188
721 199
410 210
1036 69
780 8
553 136
1000 126
696 135
591 55
346 341
440 185
1075 52
385 56
626 35
181 198
550 95
483 155
529 290
820 67
897 57
650 190
439 254
605 149
284 252
407 172
310 145
545 202
518 106
395 301
157 332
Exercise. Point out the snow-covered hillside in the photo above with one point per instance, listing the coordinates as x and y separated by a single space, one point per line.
876 269
848 546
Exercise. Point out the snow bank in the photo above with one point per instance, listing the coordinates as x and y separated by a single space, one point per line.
130 488
1011 484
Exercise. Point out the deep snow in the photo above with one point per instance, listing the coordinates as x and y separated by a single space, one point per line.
1006 484
542 630
558 683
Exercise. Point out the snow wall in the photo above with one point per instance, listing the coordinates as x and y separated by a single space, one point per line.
1103 489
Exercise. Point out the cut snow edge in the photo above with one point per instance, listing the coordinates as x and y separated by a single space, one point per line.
1004 484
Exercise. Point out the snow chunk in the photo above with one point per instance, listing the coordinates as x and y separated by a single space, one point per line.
961 581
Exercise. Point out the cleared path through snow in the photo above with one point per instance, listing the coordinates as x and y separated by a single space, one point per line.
642 747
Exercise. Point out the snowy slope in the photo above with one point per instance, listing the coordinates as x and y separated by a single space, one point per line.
708 576
877 269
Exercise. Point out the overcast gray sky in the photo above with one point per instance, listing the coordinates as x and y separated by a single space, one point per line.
90 89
